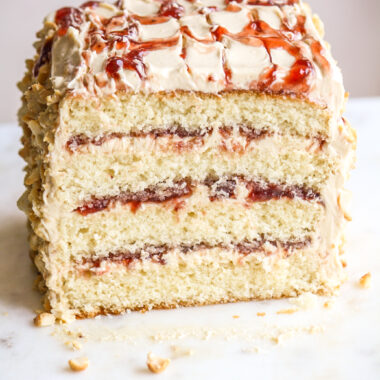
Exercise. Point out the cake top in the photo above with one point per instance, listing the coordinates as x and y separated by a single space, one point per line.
270 46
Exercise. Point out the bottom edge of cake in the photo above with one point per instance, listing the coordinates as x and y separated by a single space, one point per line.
202 279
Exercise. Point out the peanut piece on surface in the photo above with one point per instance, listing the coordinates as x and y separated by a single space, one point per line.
156 364
365 281
79 364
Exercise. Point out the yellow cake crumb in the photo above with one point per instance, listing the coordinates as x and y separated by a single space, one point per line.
287 311
44 319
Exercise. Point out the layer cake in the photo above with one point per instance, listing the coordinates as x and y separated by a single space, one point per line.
184 153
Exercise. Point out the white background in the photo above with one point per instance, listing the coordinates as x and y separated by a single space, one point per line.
353 29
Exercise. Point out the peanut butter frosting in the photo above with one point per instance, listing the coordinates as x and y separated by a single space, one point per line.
270 46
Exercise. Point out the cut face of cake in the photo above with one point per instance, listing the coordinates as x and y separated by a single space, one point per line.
184 153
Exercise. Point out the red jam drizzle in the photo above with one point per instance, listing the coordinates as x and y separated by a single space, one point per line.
90 4
317 50
258 33
66 17
147 20
130 61
122 37
133 60
270 2
301 70
44 57
112 34
171 9
232 7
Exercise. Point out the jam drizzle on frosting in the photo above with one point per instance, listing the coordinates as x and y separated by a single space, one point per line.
269 2
44 57
256 33
90 4
133 60
170 8
114 39
68 17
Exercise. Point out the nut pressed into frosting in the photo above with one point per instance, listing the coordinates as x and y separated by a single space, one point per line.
210 46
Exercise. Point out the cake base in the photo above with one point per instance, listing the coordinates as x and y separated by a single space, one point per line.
205 277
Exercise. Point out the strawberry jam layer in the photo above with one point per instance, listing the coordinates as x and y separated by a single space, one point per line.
157 254
218 189
80 140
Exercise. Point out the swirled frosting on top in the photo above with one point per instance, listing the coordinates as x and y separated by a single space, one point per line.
269 46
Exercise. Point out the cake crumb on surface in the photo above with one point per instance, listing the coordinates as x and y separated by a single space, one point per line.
328 304
287 311
261 314
156 364
79 364
236 316
44 319
254 350
288 333
179 351
74 345
305 301
365 281
66 318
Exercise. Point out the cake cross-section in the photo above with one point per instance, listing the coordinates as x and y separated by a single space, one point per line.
184 153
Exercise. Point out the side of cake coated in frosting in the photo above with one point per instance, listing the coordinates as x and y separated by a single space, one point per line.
269 46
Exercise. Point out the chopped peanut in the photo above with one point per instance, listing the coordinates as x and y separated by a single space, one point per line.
79 364
365 281
156 364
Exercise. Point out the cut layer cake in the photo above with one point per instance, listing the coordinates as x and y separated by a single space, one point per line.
184 153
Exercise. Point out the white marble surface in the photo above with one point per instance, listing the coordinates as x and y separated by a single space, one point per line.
342 342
